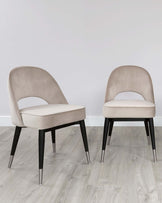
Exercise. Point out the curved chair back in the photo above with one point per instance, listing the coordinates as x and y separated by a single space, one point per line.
129 79
29 81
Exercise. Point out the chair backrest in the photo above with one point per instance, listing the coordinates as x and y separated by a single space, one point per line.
29 81
129 79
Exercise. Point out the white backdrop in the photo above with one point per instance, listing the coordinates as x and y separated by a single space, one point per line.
80 42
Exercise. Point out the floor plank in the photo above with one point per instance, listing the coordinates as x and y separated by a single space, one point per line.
128 174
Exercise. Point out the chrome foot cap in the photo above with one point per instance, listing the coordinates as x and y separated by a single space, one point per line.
109 138
102 155
10 161
40 176
88 157
154 155
54 147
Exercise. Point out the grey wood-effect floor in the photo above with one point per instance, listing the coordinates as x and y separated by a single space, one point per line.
128 174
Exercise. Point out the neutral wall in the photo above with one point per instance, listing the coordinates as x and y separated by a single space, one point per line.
80 42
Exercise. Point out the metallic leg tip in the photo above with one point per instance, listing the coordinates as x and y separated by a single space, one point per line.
10 161
109 138
40 176
54 147
154 155
88 157
102 155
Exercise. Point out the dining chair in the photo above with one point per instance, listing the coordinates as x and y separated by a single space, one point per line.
129 79
29 81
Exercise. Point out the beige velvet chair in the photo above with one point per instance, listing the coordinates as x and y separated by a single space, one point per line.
129 79
57 113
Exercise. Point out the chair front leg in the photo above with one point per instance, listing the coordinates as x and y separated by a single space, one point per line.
146 122
41 154
110 131
53 136
152 133
14 144
105 132
84 137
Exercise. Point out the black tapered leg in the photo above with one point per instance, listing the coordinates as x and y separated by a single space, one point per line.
152 133
14 144
85 141
105 132
110 131
147 127
146 121
53 136
41 154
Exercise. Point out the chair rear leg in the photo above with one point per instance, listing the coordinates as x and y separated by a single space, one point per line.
14 145
41 154
84 137
110 131
152 133
146 122
53 136
105 132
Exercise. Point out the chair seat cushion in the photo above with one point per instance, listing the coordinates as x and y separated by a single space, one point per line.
51 115
129 109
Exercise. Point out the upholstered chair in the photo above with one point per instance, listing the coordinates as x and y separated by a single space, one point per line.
129 79
57 113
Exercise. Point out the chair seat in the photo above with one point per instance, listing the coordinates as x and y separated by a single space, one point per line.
129 109
51 115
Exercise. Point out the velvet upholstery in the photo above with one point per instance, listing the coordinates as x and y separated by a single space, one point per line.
35 82
51 115
129 79
129 109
